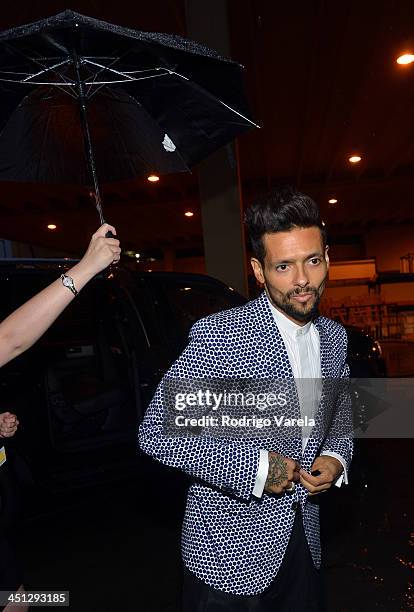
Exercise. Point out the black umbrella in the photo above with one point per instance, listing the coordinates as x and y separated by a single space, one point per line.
74 89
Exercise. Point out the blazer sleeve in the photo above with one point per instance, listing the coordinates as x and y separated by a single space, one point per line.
230 466
339 437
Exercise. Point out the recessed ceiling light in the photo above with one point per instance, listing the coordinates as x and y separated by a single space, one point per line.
51 226
333 201
137 255
153 178
406 58
189 213
354 159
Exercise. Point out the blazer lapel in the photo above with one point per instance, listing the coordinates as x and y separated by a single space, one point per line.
273 359
324 347
270 342
322 416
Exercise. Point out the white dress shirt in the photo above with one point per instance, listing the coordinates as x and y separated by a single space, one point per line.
303 348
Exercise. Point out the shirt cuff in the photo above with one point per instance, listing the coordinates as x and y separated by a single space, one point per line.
261 475
342 477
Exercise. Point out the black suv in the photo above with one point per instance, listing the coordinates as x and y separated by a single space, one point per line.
81 391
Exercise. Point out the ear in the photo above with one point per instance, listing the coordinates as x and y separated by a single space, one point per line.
257 270
327 256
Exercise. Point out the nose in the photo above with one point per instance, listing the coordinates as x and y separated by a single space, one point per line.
301 279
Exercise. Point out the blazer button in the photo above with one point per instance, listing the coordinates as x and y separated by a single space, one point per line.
295 506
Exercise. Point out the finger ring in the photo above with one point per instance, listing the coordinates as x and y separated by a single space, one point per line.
291 488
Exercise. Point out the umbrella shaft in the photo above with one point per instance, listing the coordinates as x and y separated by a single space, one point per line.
89 152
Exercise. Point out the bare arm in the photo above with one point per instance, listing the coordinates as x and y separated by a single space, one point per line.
29 322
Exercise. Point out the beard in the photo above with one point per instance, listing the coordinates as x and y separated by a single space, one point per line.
301 312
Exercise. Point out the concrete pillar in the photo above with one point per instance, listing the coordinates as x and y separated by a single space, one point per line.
219 180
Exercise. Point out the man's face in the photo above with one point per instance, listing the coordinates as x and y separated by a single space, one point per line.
295 270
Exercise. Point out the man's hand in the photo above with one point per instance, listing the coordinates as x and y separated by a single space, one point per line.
101 251
282 472
8 424
329 468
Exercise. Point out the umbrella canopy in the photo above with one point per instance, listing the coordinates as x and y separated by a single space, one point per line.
149 102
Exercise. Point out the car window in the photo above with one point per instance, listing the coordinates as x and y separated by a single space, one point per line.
183 301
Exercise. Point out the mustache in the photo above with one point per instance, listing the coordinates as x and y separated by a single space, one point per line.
302 291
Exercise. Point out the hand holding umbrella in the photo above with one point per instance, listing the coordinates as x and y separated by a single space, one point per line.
101 252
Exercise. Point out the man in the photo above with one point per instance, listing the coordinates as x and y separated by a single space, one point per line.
19 331
251 530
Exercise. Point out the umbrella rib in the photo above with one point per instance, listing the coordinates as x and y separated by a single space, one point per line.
237 113
66 82
114 60
65 62
145 70
14 72
215 98
124 74
128 72
58 85
32 76
103 68
131 80
103 83
71 88
106 68
35 61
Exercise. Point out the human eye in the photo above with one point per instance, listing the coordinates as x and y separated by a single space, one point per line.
315 261
281 267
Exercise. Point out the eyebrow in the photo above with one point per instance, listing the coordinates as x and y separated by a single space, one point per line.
288 261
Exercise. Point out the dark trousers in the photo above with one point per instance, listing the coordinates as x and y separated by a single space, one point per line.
298 586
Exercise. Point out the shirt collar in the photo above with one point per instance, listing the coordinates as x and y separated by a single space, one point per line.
287 326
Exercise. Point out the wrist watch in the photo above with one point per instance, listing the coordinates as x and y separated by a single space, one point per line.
67 281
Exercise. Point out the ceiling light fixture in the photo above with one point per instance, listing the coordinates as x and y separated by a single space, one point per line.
354 159
406 58
189 213
153 178
333 201
51 226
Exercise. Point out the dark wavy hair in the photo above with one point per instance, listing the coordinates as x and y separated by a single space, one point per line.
280 211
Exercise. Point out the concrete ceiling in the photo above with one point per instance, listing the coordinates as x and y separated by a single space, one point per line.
322 82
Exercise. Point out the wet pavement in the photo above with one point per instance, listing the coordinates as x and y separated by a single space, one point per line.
117 547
